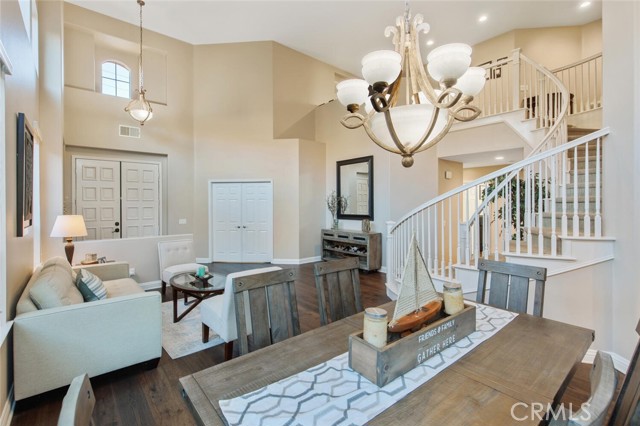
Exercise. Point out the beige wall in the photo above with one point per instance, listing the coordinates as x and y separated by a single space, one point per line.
92 119
446 185
21 91
552 47
312 158
472 173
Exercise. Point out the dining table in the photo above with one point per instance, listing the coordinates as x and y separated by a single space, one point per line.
508 379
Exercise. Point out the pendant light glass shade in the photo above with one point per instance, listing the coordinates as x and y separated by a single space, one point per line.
140 109
381 66
472 81
410 123
449 62
353 92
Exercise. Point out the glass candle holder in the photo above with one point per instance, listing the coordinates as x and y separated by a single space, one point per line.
453 300
375 326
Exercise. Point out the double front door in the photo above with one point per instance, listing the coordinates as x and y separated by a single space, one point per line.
118 199
242 221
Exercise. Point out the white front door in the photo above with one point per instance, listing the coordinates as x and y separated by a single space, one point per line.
118 199
140 199
362 193
242 221
98 197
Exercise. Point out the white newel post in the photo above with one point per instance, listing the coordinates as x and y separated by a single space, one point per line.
515 74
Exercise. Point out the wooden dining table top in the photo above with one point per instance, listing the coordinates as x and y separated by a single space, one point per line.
529 362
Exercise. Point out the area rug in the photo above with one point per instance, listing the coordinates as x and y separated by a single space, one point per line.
185 336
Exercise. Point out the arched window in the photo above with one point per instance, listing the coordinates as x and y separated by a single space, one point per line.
115 80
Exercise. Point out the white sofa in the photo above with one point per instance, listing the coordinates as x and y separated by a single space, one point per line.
54 344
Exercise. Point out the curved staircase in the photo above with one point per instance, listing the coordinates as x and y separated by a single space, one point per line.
557 187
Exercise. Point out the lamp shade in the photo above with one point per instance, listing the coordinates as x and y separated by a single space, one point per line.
449 62
69 225
472 81
381 65
410 122
354 91
139 109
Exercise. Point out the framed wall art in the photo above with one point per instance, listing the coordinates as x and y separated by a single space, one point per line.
24 213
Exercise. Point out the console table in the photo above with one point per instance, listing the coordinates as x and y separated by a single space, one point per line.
367 246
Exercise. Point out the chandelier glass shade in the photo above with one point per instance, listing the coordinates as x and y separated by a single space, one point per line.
139 108
417 117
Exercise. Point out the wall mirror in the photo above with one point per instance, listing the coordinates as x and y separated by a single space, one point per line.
355 183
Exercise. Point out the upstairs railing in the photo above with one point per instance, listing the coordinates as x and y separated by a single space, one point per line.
583 79
551 194
458 226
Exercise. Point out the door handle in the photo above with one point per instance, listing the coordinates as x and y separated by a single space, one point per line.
116 230
117 223
244 226
238 226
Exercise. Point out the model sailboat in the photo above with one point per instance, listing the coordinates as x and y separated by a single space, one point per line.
417 301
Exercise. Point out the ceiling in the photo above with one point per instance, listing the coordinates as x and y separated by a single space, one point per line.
338 32
488 158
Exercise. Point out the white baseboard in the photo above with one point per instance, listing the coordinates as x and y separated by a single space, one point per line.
383 269
297 261
9 408
151 285
203 260
620 363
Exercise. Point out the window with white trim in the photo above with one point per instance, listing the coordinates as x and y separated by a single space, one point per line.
116 80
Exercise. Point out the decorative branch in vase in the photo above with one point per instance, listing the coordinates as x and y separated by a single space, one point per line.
333 204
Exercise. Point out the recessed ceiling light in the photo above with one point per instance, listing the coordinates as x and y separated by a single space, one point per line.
500 157
430 42
585 4
482 18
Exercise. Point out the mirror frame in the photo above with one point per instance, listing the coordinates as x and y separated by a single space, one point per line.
369 161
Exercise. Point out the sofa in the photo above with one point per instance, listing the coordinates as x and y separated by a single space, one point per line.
58 336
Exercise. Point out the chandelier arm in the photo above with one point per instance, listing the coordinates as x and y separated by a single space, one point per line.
438 138
359 118
475 113
394 135
445 101
377 141
428 131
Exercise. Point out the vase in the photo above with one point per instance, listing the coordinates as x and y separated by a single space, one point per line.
335 223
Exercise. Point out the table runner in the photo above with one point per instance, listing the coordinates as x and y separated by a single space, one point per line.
332 393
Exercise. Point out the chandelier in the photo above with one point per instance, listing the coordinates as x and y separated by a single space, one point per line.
139 108
427 113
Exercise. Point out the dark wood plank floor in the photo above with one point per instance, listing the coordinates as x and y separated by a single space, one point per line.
135 396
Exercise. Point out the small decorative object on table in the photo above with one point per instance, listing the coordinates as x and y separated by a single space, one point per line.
418 330
375 326
366 225
453 301
335 203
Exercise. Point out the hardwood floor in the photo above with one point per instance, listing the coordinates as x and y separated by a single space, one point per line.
135 396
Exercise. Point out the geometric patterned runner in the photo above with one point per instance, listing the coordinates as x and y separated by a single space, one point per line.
333 394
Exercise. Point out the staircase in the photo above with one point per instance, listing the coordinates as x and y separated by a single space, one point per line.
558 223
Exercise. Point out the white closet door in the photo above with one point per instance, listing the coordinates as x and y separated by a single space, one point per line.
140 199
227 222
98 197
257 222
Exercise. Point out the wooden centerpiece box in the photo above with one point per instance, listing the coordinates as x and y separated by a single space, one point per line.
382 365
418 307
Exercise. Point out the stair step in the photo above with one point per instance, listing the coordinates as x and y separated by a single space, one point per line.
535 247
581 204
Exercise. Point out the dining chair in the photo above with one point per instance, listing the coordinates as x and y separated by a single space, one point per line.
176 257
341 278
78 403
510 285
627 409
603 388
271 298
218 313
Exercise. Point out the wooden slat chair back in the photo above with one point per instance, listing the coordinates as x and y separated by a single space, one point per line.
271 297
78 403
510 285
342 296
603 388
627 409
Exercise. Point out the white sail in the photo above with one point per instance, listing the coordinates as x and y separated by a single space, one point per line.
417 288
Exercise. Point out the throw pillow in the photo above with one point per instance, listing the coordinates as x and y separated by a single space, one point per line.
53 288
90 286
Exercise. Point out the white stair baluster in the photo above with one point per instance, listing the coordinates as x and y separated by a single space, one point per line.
587 218
576 218
598 218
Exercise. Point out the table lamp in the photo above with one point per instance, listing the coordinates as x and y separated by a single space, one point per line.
68 226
